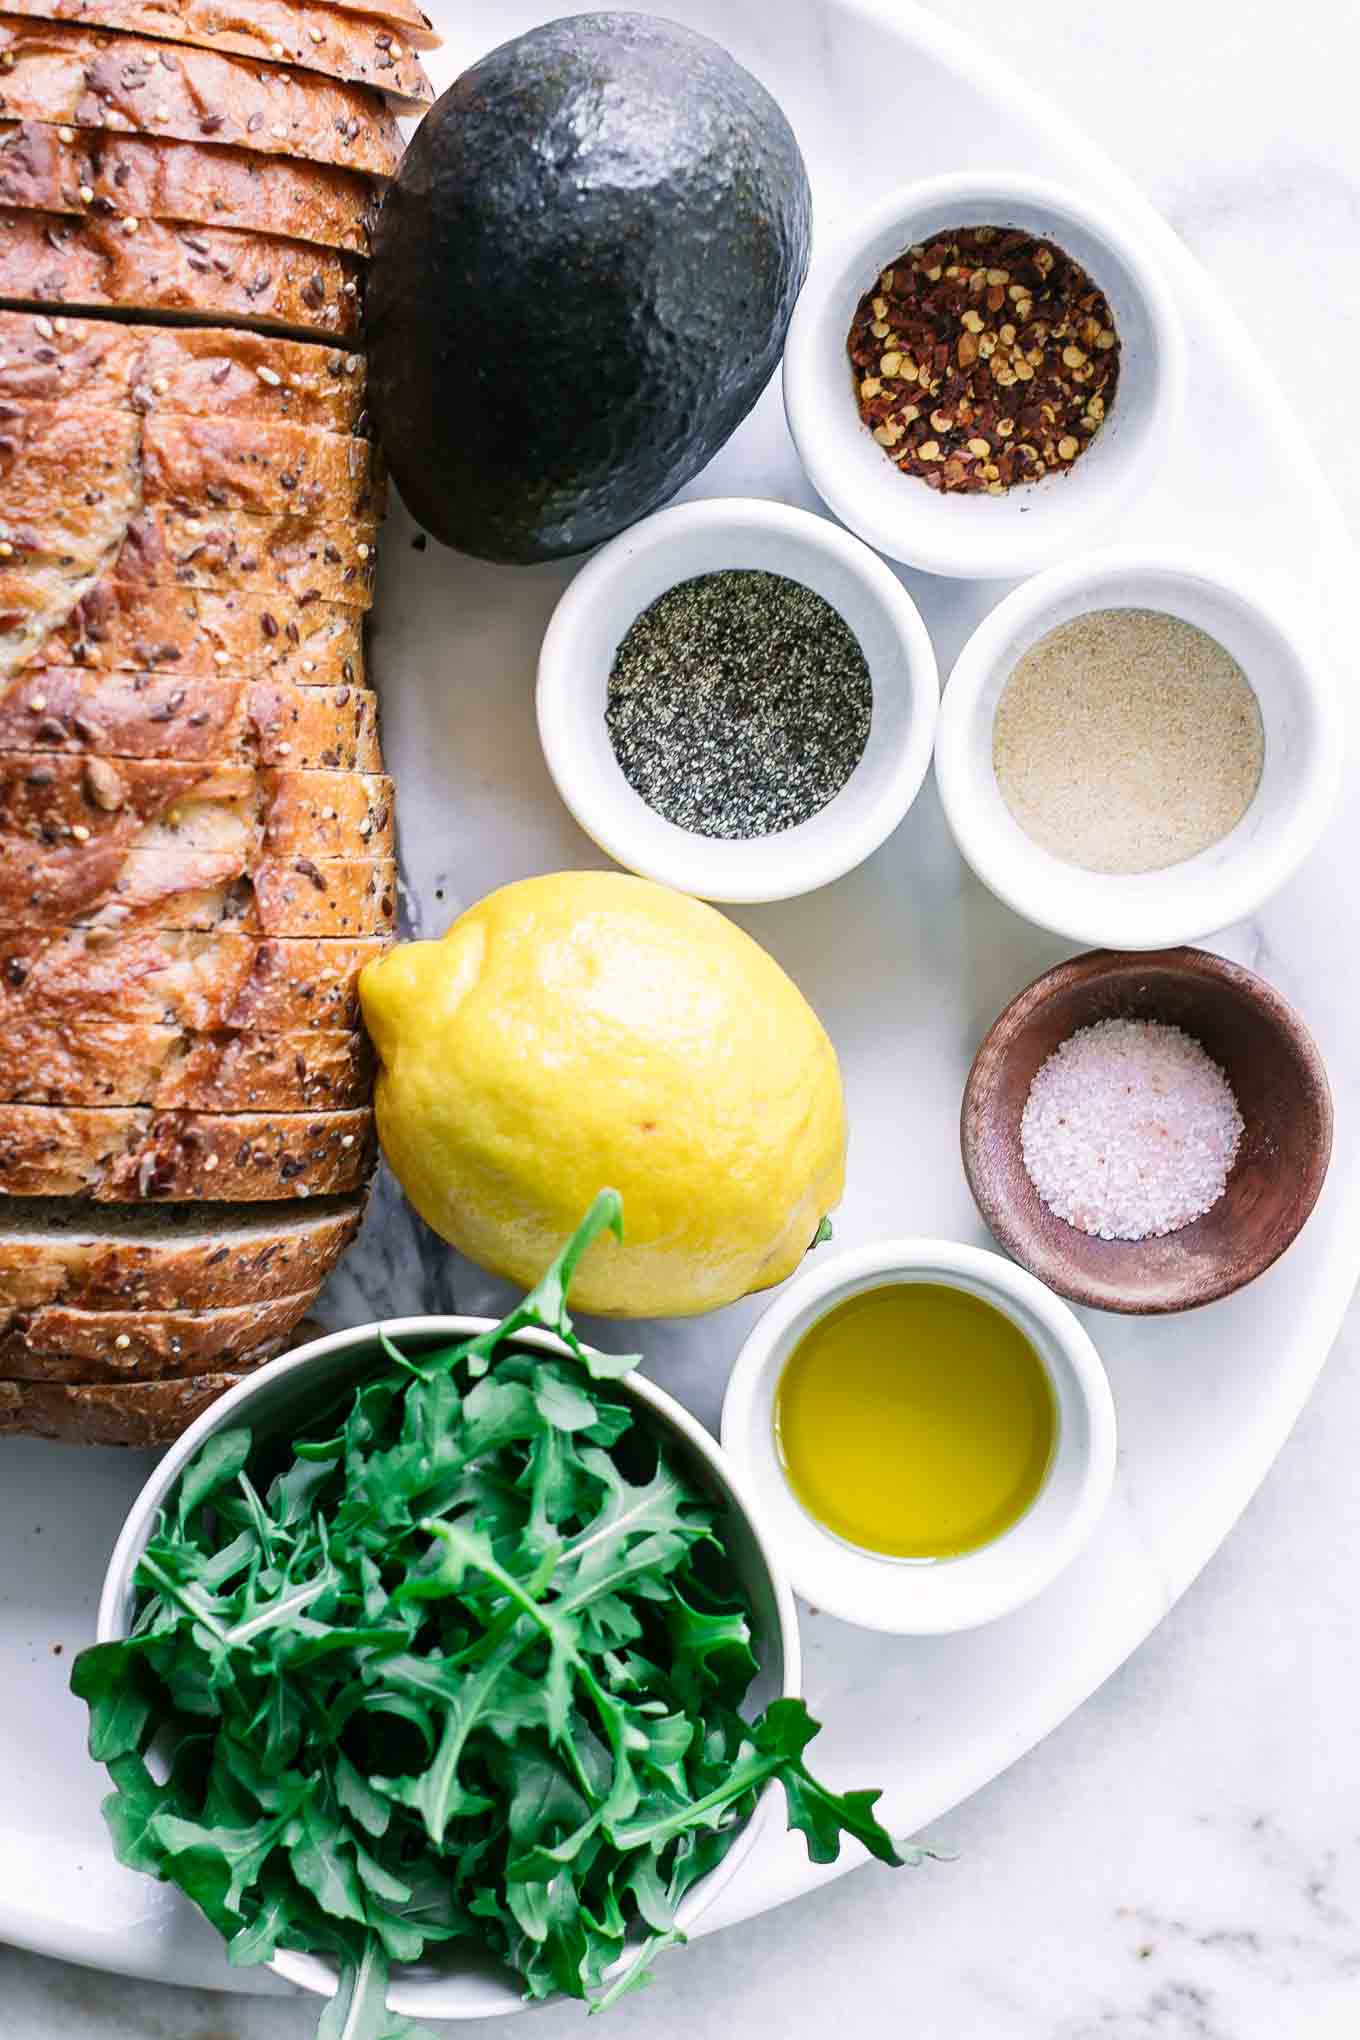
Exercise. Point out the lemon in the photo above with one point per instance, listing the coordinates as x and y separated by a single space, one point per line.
590 1030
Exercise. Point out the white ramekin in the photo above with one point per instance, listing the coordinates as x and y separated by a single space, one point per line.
282 1396
623 579
980 537
908 1597
1300 776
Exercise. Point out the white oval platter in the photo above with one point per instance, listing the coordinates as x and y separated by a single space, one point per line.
907 960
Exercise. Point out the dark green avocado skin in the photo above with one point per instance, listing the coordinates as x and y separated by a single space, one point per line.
581 283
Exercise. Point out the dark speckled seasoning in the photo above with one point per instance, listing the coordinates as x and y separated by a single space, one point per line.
739 704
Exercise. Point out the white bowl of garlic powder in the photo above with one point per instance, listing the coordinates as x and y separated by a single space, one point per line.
1138 752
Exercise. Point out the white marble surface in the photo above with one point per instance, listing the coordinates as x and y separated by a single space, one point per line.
1183 1858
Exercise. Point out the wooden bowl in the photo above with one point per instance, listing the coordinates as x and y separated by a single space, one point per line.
1270 1060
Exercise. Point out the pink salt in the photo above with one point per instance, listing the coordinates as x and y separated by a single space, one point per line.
1130 1130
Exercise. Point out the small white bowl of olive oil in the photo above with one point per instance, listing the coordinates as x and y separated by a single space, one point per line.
929 1433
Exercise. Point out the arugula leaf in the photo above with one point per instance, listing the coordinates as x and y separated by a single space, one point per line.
463 1660
322 1864
358 2011
783 1733
259 1940
109 1679
216 1466
546 1305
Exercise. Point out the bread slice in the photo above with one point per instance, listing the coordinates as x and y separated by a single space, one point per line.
128 1155
196 465
36 601
90 174
49 800
287 558
59 1343
251 511
217 273
146 1415
92 714
187 631
118 890
202 982
267 470
313 37
177 1257
135 1062
82 77
215 371
230 550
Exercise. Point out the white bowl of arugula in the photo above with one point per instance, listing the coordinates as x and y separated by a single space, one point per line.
427 1667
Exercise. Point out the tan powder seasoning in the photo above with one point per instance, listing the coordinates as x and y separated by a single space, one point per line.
1127 741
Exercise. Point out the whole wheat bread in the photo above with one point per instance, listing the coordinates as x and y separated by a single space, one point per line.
157 266
59 1343
127 1155
91 174
82 77
187 1257
199 981
312 37
232 888
142 1414
128 629
283 558
51 801
214 371
135 1062
92 714
193 464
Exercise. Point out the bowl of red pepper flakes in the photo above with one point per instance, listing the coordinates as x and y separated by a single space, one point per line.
984 374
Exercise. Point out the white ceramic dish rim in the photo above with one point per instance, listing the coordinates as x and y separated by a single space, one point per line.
435 1996
974 537
571 690
984 1585
1184 902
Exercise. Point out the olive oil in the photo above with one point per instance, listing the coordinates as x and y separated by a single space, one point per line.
916 1421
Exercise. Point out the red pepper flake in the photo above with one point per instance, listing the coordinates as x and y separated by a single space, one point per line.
983 358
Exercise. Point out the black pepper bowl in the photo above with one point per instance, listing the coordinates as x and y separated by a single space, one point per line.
621 582
1276 1074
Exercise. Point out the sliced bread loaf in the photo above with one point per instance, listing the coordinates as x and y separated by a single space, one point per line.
136 1062
82 77
59 1343
313 37
202 982
214 371
88 173
157 266
130 629
89 713
126 1155
188 1257
144 1414
51 801
105 887
195 465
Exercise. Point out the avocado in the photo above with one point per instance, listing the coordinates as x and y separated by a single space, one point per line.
581 281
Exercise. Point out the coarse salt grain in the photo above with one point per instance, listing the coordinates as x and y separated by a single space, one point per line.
1130 1130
